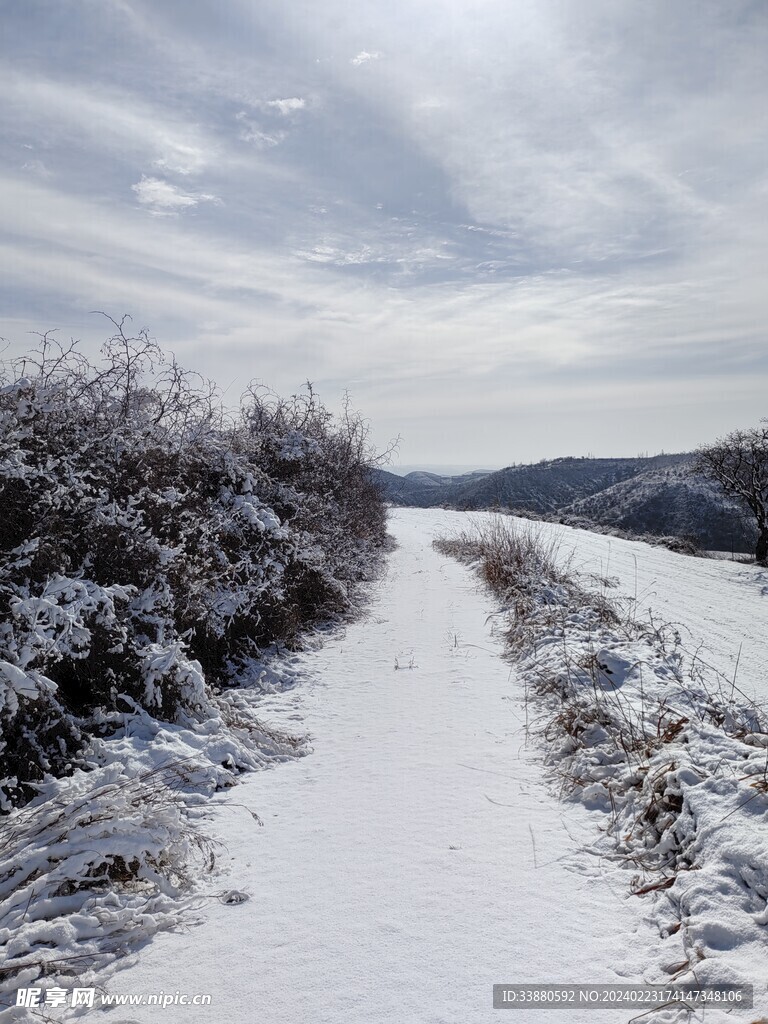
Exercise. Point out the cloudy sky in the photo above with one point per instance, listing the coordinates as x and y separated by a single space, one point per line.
512 229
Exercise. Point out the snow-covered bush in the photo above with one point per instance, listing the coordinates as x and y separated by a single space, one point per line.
153 545
100 863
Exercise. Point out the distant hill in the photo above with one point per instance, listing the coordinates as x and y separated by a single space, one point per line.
542 487
442 470
425 490
670 501
548 486
657 495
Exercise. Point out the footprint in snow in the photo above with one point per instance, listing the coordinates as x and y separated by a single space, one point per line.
234 897
613 669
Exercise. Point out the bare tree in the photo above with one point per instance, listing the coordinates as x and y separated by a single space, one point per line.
739 463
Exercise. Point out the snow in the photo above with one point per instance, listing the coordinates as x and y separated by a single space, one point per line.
18 681
421 852
720 606
416 857
673 755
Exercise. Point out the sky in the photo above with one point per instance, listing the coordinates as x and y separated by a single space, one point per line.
510 229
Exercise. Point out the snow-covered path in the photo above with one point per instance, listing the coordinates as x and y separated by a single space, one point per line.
416 857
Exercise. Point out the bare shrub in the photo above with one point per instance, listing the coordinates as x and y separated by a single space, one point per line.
739 463
154 545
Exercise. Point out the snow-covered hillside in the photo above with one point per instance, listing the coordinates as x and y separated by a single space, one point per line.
669 500
719 606
658 496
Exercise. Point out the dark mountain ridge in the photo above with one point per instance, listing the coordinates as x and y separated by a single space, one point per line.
657 495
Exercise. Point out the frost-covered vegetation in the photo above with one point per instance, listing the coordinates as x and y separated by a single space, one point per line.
637 726
157 552
153 546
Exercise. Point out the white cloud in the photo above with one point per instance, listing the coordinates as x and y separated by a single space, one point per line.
264 140
180 158
286 106
252 132
36 167
264 136
161 197
364 57
108 119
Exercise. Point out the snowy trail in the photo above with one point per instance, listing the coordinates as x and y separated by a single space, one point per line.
416 857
